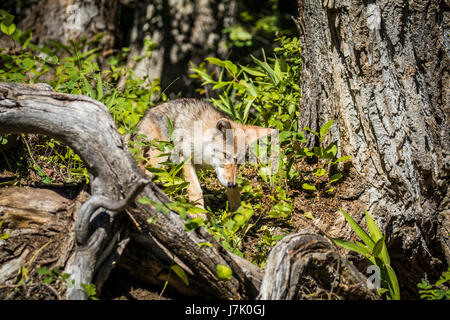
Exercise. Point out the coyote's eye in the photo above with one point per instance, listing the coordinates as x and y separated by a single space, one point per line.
227 156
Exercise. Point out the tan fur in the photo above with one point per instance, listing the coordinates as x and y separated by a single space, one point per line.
208 136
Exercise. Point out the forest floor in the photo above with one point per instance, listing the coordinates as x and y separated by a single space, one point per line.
29 247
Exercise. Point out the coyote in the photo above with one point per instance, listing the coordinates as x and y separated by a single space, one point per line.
205 136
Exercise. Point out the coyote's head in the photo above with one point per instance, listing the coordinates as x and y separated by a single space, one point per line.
227 146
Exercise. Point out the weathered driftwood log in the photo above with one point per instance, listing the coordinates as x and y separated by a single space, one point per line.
305 266
115 179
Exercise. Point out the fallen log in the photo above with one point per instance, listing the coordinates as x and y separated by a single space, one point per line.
305 265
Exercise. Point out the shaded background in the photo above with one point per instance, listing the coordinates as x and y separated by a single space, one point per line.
178 31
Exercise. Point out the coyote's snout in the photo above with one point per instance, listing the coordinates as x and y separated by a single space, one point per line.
208 137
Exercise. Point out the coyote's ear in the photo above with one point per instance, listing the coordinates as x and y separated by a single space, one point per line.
222 125
253 133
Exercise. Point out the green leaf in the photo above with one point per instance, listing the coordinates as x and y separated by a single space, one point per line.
193 224
224 272
307 152
44 271
216 61
88 88
253 72
90 290
205 244
251 89
277 69
309 215
353 246
284 135
424 285
180 273
247 109
170 126
45 178
376 235
335 177
231 66
155 170
342 159
359 231
221 84
273 76
9 30
375 232
144 200
27 63
6 18
324 130
319 152
381 291
308 186
99 87
48 280
393 283
25 38
320 172
331 151
378 247
312 131
240 219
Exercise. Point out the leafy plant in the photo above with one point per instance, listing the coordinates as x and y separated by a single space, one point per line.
268 240
55 275
228 228
437 291
91 291
375 251
326 161
265 93
179 272
283 207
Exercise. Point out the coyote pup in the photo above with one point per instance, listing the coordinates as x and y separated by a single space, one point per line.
207 136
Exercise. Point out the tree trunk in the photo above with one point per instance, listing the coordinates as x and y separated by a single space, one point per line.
65 20
381 70
108 224
184 31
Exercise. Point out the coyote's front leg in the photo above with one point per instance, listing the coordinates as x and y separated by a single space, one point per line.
234 198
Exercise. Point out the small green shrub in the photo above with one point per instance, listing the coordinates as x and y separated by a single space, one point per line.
266 93
229 228
437 291
374 249
326 162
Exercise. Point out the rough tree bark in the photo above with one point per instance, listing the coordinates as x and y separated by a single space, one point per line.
381 70
184 32
116 179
